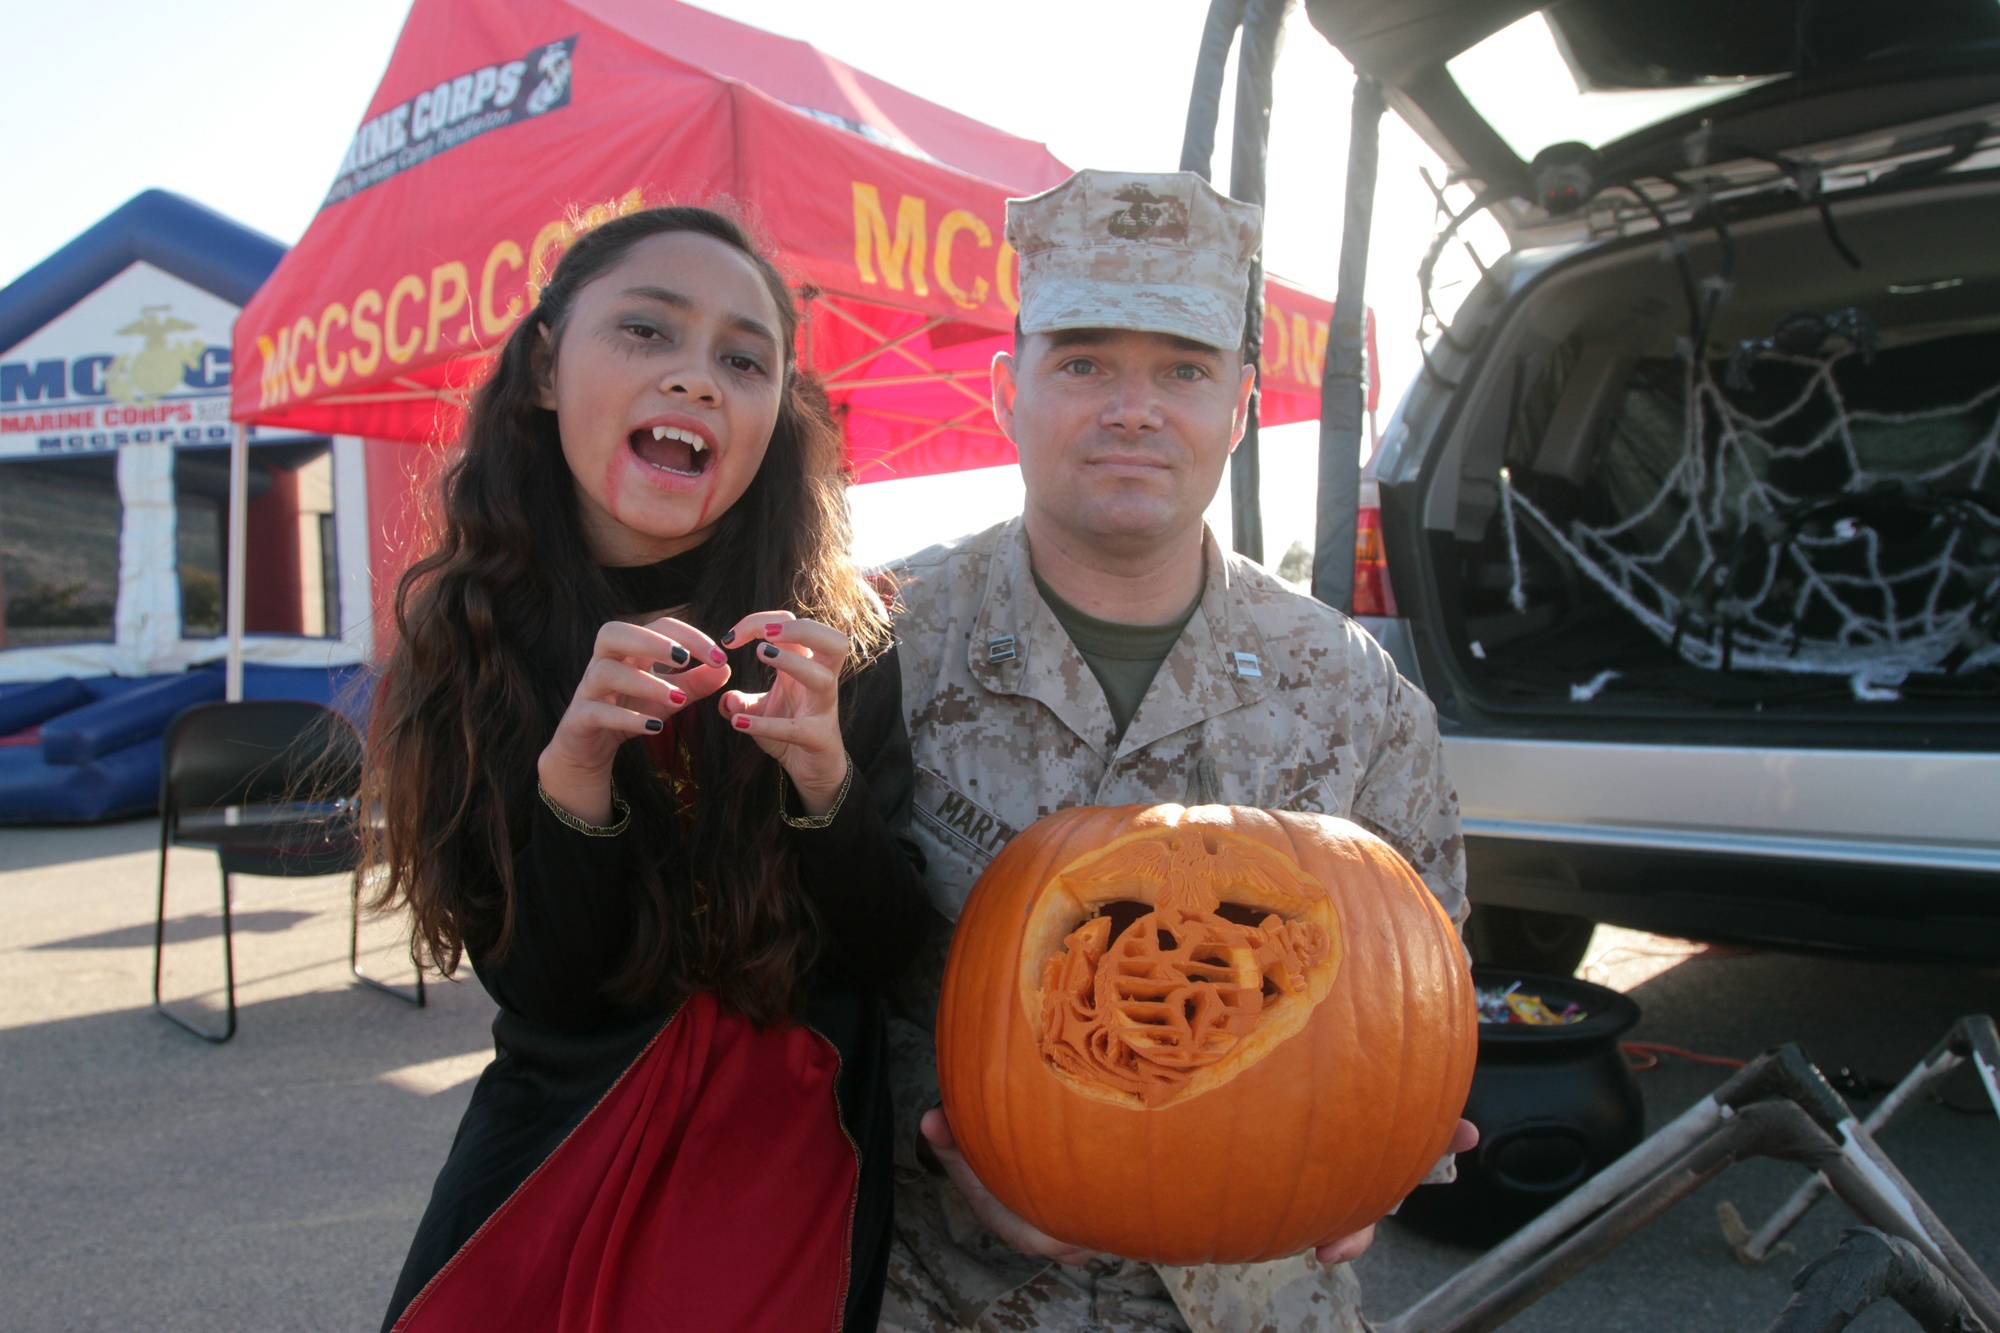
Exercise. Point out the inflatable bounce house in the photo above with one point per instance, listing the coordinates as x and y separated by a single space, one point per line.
114 435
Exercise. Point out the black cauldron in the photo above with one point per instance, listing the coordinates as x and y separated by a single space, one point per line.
1554 1105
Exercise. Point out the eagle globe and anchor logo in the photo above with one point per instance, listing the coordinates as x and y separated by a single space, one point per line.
56 392
1148 216
552 70
162 363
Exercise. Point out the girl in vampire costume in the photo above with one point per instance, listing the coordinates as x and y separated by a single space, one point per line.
677 862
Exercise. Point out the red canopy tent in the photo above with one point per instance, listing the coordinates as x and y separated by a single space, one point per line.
504 125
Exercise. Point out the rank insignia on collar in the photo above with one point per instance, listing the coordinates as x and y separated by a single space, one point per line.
1246 665
1000 649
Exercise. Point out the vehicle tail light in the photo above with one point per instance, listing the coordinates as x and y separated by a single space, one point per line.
1372 594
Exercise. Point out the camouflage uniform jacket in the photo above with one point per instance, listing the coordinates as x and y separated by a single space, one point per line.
1269 699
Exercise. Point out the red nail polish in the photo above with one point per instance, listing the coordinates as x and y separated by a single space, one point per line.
678 696
717 656
742 722
774 629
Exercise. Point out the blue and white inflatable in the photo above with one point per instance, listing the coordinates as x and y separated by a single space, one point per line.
114 425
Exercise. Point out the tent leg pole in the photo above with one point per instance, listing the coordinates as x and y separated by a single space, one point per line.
1343 386
1263 24
1205 100
1256 61
239 507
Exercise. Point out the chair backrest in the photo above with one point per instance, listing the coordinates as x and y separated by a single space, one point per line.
258 752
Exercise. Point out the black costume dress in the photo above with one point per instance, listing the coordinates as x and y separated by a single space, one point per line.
678 1167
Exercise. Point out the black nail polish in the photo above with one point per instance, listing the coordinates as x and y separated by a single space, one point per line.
680 655
727 638
769 650
654 724
662 669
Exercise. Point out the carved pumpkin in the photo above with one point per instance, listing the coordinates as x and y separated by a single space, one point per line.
1210 1035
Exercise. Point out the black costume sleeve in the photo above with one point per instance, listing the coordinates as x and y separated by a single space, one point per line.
863 871
573 915
572 924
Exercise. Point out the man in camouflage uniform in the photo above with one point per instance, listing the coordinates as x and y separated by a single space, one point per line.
1017 660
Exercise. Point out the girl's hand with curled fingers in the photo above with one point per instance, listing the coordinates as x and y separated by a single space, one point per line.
639 675
797 720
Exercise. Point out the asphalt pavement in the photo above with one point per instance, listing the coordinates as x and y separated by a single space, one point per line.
155 1184
151 1182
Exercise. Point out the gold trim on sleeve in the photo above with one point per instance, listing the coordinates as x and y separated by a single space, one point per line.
814 821
619 807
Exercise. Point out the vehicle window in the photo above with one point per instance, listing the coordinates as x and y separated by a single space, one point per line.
1536 393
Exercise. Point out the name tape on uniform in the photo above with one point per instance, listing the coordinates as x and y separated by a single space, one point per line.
958 818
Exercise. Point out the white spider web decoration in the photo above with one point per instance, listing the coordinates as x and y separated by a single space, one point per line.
1767 563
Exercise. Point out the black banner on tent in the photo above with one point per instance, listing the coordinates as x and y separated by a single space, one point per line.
456 111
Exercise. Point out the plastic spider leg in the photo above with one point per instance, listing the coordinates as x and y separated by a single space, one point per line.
1740 361
1861 331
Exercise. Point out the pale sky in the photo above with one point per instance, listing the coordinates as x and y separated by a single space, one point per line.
247 106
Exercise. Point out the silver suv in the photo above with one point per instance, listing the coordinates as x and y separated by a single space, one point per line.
1691 525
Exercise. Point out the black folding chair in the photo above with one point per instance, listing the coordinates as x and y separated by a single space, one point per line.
270 787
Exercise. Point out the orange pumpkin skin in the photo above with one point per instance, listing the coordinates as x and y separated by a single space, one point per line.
1263 1153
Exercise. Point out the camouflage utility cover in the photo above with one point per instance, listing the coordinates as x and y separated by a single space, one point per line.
1157 252
1269 699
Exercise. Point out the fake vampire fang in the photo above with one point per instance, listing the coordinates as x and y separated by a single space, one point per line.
671 449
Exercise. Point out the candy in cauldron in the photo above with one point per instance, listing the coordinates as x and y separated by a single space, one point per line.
1555 1103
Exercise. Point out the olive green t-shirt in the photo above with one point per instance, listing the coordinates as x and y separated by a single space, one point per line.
1124 658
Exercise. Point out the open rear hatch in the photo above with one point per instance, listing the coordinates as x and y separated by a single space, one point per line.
1736 453
1647 75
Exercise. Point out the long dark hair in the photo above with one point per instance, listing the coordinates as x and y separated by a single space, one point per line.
496 623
